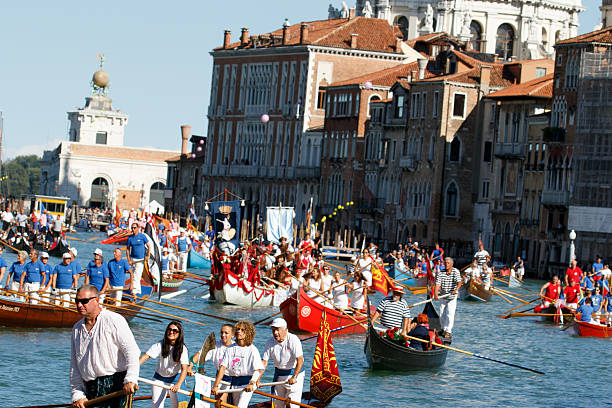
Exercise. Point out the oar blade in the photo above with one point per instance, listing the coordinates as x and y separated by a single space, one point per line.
209 344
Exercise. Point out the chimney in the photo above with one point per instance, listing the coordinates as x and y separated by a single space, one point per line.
398 44
422 62
413 76
352 13
244 37
285 34
354 40
304 34
185 133
485 75
227 39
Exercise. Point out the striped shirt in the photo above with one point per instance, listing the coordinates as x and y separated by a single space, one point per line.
481 256
392 314
448 282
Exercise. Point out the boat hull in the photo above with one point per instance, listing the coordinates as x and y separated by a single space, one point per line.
235 295
14 313
172 284
303 314
197 261
514 282
475 292
586 329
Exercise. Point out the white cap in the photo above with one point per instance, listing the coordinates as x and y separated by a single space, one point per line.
44 255
97 251
74 251
66 255
416 244
181 230
165 249
279 322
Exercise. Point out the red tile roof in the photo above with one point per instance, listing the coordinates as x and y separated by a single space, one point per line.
426 38
373 35
386 77
600 36
540 88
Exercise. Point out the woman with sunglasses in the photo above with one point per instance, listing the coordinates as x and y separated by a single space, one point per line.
173 358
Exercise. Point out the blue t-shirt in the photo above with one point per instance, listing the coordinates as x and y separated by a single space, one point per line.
137 245
32 270
3 263
117 270
597 267
17 270
609 306
46 270
587 312
587 283
65 275
597 300
183 243
97 274
436 254
162 240
111 226
165 260
211 235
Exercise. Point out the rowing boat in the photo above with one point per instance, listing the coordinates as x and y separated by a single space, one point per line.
303 314
586 329
385 354
552 315
172 283
475 291
197 261
58 248
117 238
513 282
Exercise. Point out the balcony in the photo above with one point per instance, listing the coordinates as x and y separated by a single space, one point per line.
407 162
555 198
243 171
307 172
510 206
510 150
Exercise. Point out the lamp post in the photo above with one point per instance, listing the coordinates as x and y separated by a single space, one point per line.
572 237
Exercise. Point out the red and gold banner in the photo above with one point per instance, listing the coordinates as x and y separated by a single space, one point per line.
381 282
324 378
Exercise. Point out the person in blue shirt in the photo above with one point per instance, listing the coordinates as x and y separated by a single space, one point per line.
32 277
97 274
76 266
183 245
46 270
15 271
607 307
587 311
138 250
597 300
65 278
437 255
117 268
3 265
211 234
587 283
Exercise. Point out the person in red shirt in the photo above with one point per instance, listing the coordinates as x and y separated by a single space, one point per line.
573 273
571 294
550 291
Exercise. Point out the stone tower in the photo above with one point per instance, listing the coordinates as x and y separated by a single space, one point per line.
606 13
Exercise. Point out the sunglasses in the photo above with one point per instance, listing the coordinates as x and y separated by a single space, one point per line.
84 301
173 331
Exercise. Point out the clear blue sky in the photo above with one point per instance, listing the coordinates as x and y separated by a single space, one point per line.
157 56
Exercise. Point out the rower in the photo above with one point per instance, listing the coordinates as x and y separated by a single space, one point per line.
46 271
139 248
550 291
30 280
97 274
481 255
571 295
216 355
394 311
573 273
285 349
3 265
64 279
448 282
421 331
168 261
183 244
586 311
117 268
473 272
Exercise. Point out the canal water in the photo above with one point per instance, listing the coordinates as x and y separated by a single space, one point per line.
34 363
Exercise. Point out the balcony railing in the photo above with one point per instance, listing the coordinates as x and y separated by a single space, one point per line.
407 162
510 150
553 197
307 172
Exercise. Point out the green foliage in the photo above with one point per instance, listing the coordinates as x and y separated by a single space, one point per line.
23 174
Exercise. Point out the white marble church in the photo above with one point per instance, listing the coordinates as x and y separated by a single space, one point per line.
93 168
523 29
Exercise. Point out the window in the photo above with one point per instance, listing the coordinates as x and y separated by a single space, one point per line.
459 105
455 150
450 209
414 106
399 106
544 39
485 189
402 23
476 34
559 59
504 43
424 104
540 72
321 98
488 147
101 138
436 102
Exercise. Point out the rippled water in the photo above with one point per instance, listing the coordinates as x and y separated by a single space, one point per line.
34 363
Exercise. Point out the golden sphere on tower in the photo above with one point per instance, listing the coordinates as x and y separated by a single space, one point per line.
100 78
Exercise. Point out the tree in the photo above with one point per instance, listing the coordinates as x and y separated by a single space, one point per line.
23 174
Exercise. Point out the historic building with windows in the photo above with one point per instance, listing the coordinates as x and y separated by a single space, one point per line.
94 168
521 29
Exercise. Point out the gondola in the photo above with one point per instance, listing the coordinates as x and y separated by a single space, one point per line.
22 245
385 354
59 248
475 291
117 238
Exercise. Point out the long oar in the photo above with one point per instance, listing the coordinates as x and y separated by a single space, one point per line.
187 393
187 310
164 313
477 355
539 314
501 296
232 390
76 239
431 300
3 242
499 292
333 330
146 397
514 308
266 318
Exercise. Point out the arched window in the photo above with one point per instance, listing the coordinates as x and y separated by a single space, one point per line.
505 41
476 34
452 200
99 193
455 150
157 192
544 39
402 23
373 98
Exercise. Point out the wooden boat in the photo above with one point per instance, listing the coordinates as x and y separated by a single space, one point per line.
117 238
172 283
241 292
303 314
22 245
586 329
475 291
551 314
197 261
59 248
514 282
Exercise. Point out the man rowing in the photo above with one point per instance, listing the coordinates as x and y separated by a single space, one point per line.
573 273
285 349
31 278
138 250
448 282
117 268
550 291
104 353
65 277
394 311
97 274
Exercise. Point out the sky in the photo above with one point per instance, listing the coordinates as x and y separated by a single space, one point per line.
156 54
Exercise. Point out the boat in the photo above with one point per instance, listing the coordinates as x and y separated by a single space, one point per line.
22 245
303 314
117 238
197 261
59 248
475 291
586 329
172 283
385 354
552 315
513 282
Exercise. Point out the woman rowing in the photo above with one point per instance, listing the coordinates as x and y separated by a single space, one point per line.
338 291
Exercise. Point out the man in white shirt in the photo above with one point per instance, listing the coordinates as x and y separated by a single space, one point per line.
285 349
104 353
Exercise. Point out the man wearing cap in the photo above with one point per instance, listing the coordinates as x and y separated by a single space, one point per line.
286 351
97 274
448 281
394 311
168 261
31 279
139 248
64 278
117 268
46 270
183 246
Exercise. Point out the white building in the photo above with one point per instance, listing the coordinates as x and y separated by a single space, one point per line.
523 29
94 168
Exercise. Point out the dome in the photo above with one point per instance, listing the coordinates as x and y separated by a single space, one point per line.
100 78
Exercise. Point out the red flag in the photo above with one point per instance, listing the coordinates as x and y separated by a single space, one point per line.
430 276
324 377
381 282
117 215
